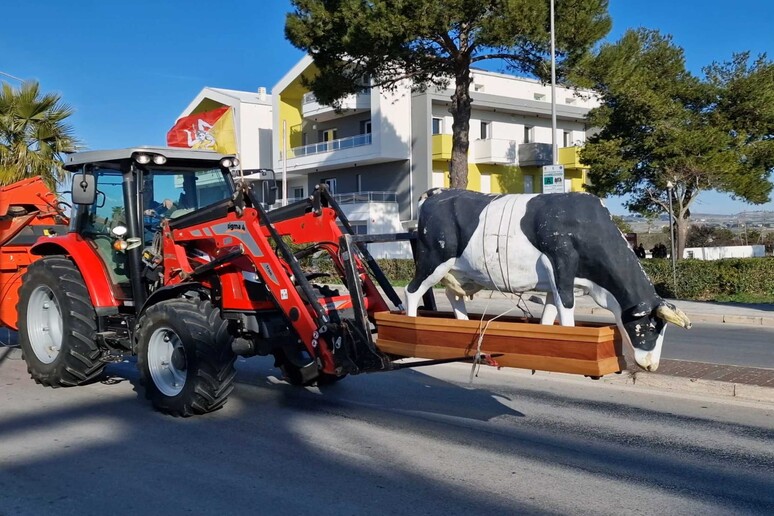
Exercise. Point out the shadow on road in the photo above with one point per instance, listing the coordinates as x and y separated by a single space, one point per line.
349 449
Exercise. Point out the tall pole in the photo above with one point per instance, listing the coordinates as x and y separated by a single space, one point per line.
284 162
554 150
672 233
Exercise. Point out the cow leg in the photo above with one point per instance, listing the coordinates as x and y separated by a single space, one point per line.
549 310
562 281
416 288
457 304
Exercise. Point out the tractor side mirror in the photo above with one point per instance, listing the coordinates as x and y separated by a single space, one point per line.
269 192
84 189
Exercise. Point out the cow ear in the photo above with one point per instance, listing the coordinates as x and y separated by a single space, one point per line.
670 313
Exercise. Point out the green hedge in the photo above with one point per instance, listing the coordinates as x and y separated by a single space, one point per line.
696 279
717 279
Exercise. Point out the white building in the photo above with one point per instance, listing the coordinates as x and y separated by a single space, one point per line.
252 121
401 142
388 148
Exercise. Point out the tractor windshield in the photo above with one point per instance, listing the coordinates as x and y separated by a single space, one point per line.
172 193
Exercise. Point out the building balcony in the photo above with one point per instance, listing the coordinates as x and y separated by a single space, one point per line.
362 149
494 151
442 146
365 197
570 157
349 198
330 146
350 104
535 154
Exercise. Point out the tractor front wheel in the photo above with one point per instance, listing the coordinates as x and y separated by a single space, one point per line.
58 324
184 356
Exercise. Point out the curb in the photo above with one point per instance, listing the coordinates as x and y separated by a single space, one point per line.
748 320
719 318
740 391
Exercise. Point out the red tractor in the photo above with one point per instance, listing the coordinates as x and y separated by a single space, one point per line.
168 256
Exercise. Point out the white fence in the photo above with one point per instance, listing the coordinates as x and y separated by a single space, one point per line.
718 253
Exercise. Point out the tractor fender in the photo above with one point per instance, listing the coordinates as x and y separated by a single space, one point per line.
89 265
172 292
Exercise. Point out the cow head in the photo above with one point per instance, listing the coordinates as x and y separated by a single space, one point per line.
644 326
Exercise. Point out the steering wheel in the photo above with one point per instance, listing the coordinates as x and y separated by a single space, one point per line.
151 221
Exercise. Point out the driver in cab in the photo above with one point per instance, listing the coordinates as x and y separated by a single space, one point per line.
162 209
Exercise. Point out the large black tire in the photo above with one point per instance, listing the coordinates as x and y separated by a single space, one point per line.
184 356
58 324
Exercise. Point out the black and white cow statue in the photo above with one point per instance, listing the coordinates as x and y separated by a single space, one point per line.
551 243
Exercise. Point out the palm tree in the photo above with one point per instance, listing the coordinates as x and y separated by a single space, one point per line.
33 134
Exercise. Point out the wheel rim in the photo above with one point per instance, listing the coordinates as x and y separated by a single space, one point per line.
167 361
44 324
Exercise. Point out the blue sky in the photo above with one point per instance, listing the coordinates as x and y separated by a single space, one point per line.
130 68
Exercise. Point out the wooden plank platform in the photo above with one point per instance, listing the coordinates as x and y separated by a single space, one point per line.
592 349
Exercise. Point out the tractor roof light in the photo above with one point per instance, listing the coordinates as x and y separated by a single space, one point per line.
158 159
142 159
229 162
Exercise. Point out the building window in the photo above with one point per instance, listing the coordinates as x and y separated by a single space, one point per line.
567 139
485 130
328 135
528 133
331 182
359 227
365 127
437 125
298 193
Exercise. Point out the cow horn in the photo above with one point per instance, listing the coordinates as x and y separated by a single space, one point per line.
674 315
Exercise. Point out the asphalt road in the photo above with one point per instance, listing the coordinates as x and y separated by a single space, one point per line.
728 344
406 442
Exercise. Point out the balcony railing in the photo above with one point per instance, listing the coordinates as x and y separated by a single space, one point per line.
349 198
496 151
535 154
330 146
442 146
361 197
570 157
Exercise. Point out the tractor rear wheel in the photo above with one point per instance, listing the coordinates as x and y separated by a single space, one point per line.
184 356
58 324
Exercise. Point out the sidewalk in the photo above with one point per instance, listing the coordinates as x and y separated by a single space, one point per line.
749 383
707 311
697 311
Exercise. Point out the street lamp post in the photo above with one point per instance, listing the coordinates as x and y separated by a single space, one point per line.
669 186
554 151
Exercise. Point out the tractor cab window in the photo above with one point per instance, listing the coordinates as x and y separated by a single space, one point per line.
101 218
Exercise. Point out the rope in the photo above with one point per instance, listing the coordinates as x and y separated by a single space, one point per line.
520 304
481 332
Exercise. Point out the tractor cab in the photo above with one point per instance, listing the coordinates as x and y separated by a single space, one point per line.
120 197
